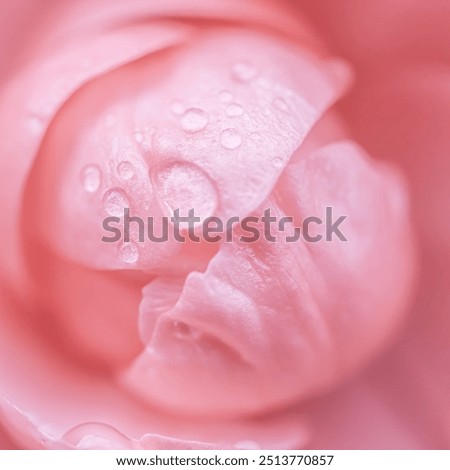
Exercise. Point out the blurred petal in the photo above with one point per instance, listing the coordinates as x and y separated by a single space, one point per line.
270 323
46 401
399 110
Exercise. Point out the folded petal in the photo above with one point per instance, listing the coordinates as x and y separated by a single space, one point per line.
269 323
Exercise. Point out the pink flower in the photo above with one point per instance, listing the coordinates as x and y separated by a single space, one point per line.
230 108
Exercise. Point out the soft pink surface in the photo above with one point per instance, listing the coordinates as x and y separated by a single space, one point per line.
99 353
399 110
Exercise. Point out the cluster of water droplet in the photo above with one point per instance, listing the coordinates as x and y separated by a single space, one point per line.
194 119
179 184
114 200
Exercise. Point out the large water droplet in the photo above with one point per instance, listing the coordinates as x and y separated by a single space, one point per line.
91 178
184 186
96 436
129 253
230 138
115 201
244 72
125 170
234 110
194 120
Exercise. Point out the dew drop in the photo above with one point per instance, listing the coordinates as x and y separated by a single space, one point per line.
230 139
184 186
129 253
115 201
234 110
244 72
91 178
125 170
277 162
194 120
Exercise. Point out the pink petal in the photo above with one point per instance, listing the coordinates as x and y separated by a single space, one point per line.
229 162
270 323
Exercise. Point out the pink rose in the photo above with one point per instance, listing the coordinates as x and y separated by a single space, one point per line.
229 108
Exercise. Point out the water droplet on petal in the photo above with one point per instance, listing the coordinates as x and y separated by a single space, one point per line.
125 170
184 186
91 178
234 110
194 120
277 162
244 72
177 108
115 201
96 436
230 139
129 253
